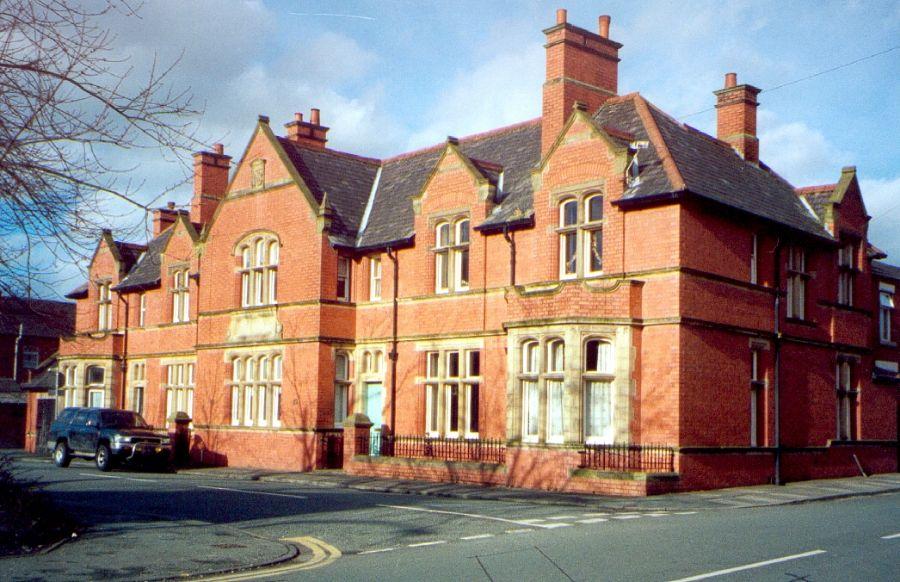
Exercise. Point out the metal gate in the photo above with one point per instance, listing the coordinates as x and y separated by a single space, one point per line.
46 412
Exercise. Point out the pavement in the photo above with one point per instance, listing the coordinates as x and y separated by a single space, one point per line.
736 497
209 521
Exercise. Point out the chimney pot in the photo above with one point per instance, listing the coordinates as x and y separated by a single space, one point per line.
314 116
730 80
604 26
218 149
560 16
263 119
453 140
170 205
298 117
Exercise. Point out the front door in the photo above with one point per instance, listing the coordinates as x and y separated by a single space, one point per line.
374 406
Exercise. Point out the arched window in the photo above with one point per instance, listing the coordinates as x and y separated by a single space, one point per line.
367 362
581 236
259 270
461 256
104 307
256 390
276 390
593 234
599 396
442 257
377 362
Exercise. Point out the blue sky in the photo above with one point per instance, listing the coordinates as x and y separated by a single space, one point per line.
393 75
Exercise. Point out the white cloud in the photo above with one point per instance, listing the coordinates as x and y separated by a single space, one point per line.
801 154
503 90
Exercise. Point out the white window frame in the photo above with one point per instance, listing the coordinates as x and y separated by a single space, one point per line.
529 382
375 278
104 306
796 282
142 310
343 275
256 390
885 312
341 388
568 231
590 228
575 236
602 377
451 256
440 384
138 386
179 389
181 296
754 259
259 256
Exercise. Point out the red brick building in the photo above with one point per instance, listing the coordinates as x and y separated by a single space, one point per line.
602 275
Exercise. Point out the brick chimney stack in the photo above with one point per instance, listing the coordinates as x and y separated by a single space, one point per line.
736 117
581 66
307 133
163 218
210 183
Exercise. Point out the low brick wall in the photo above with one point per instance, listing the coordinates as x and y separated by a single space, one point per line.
427 470
277 450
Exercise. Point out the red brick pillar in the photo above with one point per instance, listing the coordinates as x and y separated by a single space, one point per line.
356 436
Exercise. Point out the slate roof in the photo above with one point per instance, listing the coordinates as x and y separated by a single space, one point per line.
79 292
516 149
713 170
40 317
130 252
146 271
347 180
882 269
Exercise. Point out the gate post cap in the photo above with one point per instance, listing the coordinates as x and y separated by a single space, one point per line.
358 420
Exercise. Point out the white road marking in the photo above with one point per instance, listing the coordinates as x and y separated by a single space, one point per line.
556 525
561 517
593 520
252 492
750 566
117 477
477 537
472 515
788 495
655 514
594 514
421 544
518 531
890 537
684 513
535 520
377 551
625 516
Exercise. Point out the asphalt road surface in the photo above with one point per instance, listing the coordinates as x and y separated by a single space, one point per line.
151 525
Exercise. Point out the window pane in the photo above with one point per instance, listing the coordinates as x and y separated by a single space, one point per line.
530 404
379 360
453 364
886 300
595 248
595 208
443 235
236 372
568 215
272 276
462 232
276 368
245 258
264 368
235 405
474 363
472 412
598 411
453 407
431 408
555 409
260 252
441 271
463 260
340 367
530 357
273 253
570 252
555 356
431 370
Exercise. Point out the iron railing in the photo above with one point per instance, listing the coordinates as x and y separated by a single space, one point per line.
438 448
621 457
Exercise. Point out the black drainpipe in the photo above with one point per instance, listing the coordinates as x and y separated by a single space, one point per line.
776 345
392 255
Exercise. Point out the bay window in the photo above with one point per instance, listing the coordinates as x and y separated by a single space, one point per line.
598 376
452 393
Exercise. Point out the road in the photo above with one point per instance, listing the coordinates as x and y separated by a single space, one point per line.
150 525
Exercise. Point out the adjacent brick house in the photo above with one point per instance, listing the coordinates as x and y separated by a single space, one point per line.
30 330
602 274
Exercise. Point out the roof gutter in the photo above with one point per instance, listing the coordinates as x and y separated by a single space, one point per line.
524 222
394 244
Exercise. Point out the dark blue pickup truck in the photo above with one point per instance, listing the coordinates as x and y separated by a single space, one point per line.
108 436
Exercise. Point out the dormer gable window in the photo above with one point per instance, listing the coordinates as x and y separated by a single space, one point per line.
181 296
104 306
581 236
846 273
451 256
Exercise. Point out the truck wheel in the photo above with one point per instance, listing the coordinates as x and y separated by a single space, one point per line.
103 458
61 456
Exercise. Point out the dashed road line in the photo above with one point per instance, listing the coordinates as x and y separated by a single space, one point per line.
656 514
891 537
684 513
477 537
518 531
599 514
423 544
378 551
557 525
561 517
593 520
532 520
472 515
626 516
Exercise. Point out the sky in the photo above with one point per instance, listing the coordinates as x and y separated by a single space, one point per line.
394 75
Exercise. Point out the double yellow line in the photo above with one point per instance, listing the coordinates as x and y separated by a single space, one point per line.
322 554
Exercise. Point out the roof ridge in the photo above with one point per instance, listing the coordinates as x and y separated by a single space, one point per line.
815 189
662 149
338 153
468 138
